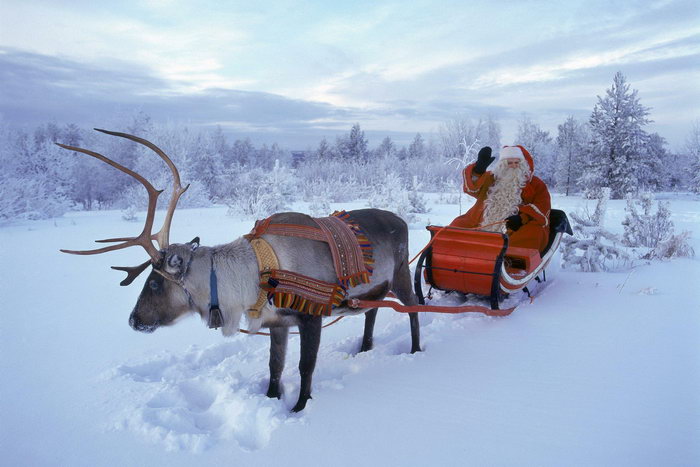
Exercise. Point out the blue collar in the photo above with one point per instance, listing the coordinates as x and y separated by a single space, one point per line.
216 319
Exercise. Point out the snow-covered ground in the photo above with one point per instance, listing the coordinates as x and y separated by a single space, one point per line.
601 369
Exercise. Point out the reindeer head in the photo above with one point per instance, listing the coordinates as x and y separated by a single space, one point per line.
167 293
164 297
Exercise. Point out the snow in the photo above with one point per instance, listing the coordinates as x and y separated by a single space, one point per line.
600 369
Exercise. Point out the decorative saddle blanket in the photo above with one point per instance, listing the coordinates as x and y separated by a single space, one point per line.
352 258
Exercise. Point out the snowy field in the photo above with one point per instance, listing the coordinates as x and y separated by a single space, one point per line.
601 369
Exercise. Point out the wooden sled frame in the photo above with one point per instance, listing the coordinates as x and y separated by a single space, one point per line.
473 261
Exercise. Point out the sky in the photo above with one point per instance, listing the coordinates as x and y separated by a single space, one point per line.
295 71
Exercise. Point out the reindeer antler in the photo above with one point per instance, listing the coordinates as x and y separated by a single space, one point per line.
145 238
132 272
163 235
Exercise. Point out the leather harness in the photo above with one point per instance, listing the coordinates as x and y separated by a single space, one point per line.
266 259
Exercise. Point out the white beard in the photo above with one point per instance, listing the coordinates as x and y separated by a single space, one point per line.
504 196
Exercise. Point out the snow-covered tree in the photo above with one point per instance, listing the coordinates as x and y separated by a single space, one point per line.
616 159
692 149
242 152
653 231
592 248
393 196
417 200
72 135
324 152
656 161
206 163
386 149
571 141
319 207
36 180
129 214
353 147
540 145
491 133
644 227
416 149
454 133
259 193
676 246
402 154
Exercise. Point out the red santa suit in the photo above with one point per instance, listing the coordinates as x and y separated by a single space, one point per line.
533 205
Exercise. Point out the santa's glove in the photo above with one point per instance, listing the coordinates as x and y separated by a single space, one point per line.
483 160
514 222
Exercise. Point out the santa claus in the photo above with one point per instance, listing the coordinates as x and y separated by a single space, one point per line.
509 198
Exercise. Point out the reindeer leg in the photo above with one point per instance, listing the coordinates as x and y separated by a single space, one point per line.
415 332
370 318
278 350
310 337
403 289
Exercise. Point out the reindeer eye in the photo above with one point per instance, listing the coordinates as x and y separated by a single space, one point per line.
153 284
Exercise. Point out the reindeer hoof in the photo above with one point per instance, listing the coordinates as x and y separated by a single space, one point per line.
301 403
274 393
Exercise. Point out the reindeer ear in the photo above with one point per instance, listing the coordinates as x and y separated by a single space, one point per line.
194 243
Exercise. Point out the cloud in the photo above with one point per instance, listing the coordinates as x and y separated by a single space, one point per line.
38 88
300 70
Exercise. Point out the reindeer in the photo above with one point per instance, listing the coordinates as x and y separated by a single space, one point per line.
189 278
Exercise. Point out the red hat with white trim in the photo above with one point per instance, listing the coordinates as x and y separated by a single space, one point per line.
516 152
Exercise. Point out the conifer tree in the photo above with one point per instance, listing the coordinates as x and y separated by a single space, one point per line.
616 157
417 147
386 149
324 152
654 163
353 147
692 147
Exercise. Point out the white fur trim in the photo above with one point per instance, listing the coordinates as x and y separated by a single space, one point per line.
546 218
511 152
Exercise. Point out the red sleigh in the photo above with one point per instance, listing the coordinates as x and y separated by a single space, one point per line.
481 263
477 262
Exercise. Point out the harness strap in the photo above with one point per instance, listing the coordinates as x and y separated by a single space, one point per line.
267 261
215 318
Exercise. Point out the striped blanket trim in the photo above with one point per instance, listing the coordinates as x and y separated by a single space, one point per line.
352 259
291 230
288 289
347 256
363 242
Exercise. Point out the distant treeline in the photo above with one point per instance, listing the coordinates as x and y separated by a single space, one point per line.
611 149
